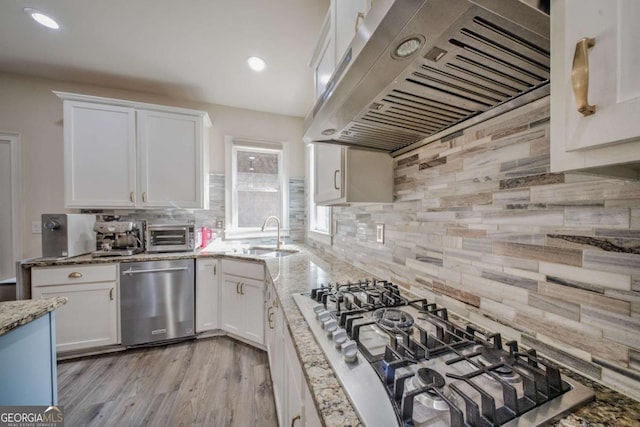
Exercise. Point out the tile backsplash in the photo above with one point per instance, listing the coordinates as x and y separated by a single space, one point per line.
480 225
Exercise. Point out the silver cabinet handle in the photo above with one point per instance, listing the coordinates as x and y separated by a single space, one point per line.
242 288
144 196
580 76
111 294
75 275
132 197
154 270
335 179
237 287
214 269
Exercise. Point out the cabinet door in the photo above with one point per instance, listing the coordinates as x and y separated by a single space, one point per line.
348 17
206 294
170 152
610 135
99 155
88 319
252 294
278 363
231 307
310 416
329 172
293 375
323 62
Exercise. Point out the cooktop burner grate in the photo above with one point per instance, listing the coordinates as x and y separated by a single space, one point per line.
433 371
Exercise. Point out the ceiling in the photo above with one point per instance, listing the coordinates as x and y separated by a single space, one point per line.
188 49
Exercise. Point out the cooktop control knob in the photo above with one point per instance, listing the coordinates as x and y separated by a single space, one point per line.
339 337
323 316
350 351
330 325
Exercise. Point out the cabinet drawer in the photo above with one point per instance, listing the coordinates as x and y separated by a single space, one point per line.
67 275
249 269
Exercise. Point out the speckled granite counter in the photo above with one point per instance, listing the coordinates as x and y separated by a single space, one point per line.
297 273
17 313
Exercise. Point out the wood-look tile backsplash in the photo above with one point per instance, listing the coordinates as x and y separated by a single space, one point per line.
481 226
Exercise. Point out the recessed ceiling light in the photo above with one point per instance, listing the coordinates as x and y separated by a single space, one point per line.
256 63
41 18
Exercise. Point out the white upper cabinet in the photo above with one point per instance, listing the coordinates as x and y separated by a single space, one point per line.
347 17
123 154
347 175
100 156
339 28
169 154
329 171
595 62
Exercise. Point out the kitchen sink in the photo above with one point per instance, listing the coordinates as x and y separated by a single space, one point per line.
256 251
268 252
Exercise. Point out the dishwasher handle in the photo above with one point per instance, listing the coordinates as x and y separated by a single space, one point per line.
154 270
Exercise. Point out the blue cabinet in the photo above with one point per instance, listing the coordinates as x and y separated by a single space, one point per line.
28 373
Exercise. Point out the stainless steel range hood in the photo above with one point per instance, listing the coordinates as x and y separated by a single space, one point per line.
476 59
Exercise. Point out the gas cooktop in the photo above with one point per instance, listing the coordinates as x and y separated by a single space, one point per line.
404 362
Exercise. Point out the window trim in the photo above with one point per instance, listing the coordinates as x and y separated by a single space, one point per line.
232 146
312 233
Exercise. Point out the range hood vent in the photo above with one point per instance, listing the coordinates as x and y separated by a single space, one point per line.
477 55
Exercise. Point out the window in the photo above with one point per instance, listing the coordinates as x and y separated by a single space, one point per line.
319 216
256 186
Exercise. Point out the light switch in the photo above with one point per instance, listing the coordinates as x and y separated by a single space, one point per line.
36 227
380 233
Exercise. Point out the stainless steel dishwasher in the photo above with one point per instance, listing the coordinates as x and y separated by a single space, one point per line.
156 301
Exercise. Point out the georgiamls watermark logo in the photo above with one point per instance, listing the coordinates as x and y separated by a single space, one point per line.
31 416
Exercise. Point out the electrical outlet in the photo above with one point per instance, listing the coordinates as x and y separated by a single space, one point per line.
218 224
36 227
380 233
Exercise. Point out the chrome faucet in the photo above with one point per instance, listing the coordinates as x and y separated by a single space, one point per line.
264 224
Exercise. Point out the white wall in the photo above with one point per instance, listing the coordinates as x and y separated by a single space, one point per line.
28 107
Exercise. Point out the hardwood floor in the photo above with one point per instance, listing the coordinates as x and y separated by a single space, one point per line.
209 382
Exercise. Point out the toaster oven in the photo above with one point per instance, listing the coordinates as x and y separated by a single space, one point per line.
170 237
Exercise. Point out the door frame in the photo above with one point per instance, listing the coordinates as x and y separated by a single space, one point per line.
16 190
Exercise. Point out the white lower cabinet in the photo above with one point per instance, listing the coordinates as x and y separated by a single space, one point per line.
293 387
207 291
274 339
310 414
294 404
90 317
242 300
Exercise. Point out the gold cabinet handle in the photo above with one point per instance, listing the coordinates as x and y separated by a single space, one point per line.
359 17
144 196
111 294
335 179
580 76
270 314
242 288
132 197
294 419
75 275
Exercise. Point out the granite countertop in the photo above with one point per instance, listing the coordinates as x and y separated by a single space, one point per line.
17 313
297 273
